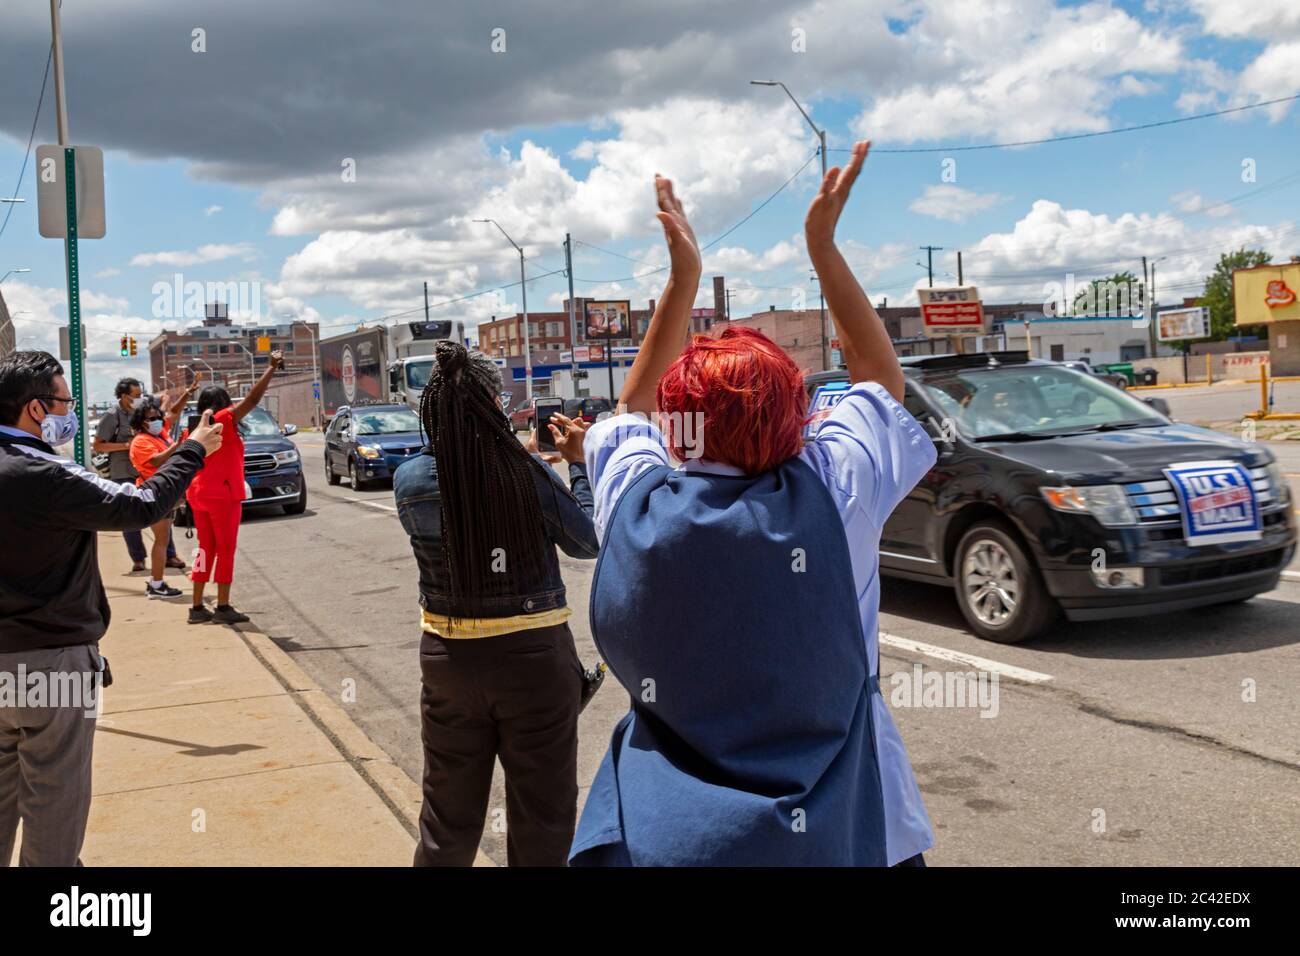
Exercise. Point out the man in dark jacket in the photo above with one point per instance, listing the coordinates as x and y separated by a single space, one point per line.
53 608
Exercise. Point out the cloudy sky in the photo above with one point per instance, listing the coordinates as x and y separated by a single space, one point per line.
233 162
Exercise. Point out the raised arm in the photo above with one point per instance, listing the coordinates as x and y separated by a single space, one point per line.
666 336
174 409
868 351
254 396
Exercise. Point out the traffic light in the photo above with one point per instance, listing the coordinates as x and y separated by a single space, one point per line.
125 348
133 346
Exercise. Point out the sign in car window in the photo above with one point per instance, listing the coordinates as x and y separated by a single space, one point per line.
823 401
1217 501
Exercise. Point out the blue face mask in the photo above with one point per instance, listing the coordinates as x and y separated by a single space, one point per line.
155 427
58 430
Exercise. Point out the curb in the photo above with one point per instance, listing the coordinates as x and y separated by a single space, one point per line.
399 792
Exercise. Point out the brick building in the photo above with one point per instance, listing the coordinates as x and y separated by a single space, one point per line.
229 353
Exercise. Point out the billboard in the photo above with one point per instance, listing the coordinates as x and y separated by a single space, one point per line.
1175 324
944 311
1267 294
607 319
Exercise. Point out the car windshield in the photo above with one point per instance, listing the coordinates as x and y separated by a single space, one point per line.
1033 400
417 373
258 424
385 422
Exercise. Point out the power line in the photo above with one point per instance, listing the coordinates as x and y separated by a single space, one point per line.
31 137
1074 136
708 245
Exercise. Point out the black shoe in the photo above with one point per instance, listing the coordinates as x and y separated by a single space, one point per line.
175 562
226 614
200 615
137 567
163 590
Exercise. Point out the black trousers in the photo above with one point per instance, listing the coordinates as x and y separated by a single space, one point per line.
515 697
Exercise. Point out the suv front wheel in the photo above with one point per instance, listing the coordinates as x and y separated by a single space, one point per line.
1000 593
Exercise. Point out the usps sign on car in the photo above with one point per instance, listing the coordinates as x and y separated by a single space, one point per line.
1217 501
824 399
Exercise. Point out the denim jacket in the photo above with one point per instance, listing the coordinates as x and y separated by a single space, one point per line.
568 527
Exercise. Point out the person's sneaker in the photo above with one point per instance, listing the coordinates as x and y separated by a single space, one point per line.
200 615
163 590
225 614
137 567
177 563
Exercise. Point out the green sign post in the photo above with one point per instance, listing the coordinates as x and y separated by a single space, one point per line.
75 347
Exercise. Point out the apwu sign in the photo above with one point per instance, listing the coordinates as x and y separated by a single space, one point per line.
1217 500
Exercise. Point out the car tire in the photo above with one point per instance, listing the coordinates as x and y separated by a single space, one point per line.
299 506
1000 593
330 477
358 483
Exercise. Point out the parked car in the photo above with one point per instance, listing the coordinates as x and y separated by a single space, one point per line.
368 442
1116 379
272 465
1055 493
587 409
523 418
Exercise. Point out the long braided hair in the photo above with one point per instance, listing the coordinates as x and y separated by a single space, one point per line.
491 517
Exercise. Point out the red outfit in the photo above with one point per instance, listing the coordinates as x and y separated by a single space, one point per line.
215 497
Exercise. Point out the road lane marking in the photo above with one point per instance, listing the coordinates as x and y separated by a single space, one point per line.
1291 575
371 504
1009 671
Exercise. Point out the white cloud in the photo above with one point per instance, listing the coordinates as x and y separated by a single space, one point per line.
212 210
1054 70
1193 202
107 273
212 252
1051 242
952 203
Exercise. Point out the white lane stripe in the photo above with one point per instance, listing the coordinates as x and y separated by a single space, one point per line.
1291 575
981 663
371 504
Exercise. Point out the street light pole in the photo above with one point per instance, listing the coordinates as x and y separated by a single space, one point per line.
12 272
523 288
821 148
315 353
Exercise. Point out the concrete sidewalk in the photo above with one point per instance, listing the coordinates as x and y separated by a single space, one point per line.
215 749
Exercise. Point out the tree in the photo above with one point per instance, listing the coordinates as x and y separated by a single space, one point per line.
1117 295
1218 293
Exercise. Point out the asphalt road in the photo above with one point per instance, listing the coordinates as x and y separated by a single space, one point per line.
1125 743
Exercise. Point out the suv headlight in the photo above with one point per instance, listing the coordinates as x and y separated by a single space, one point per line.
368 451
1109 504
1281 487
286 457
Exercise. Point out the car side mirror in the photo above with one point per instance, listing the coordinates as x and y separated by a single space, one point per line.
1160 405
290 430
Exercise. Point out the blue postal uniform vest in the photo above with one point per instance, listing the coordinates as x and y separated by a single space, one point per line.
726 606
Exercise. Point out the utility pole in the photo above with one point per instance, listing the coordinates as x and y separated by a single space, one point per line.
821 148
959 272
523 289
75 346
573 315
426 302
929 258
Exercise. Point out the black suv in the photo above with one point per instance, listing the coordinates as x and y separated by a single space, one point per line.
1055 492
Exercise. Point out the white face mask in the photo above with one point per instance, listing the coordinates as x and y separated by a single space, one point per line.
155 426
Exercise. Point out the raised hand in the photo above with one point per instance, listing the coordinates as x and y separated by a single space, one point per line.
683 247
824 213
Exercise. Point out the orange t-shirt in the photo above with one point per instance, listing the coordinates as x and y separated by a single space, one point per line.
143 447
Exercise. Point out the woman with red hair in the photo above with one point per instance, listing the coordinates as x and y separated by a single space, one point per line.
736 596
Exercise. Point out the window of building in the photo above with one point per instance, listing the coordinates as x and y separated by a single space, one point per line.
1058 353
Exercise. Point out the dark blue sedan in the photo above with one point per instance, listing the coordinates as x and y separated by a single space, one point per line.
368 442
